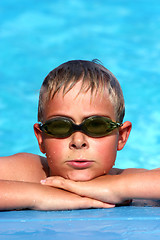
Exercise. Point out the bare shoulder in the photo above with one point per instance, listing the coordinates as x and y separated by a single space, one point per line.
118 171
23 167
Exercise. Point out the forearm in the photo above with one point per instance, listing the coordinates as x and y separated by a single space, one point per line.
22 195
114 189
17 195
142 185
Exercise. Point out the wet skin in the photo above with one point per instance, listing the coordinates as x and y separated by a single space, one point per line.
79 157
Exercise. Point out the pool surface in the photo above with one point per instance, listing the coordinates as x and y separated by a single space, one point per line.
35 37
121 223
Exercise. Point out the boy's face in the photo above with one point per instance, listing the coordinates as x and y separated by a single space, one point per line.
79 157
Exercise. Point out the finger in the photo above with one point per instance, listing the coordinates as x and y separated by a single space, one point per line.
83 189
51 181
98 204
84 203
65 184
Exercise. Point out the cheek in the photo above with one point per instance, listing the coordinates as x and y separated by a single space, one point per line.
53 148
106 149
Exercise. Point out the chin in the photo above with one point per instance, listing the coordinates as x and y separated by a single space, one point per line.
80 177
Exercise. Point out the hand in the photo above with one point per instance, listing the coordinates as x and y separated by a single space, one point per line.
22 195
56 199
105 188
115 189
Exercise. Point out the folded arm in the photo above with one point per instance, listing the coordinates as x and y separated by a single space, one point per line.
115 189
24 195
20 187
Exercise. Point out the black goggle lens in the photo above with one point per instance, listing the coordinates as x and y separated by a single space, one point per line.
58 128
99 127
94 126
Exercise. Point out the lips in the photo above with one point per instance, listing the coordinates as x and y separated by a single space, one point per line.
80 163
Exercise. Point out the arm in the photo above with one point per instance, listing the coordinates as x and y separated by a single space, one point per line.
22 195
141 184
20 187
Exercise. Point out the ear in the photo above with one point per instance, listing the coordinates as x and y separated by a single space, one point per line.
124 132
39 137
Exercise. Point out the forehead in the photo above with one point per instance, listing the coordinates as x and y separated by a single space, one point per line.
79 104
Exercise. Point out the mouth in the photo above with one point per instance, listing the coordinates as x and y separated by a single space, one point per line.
80 163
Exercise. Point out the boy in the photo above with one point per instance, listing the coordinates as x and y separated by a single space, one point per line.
81 109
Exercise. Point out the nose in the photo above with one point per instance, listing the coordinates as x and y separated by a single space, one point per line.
78 141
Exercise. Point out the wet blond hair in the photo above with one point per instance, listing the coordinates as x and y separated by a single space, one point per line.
94 77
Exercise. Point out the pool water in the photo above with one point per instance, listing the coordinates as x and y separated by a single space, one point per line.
36 36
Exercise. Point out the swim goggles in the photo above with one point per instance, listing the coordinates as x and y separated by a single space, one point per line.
94 126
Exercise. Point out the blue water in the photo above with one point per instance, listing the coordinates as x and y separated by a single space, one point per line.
37 35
